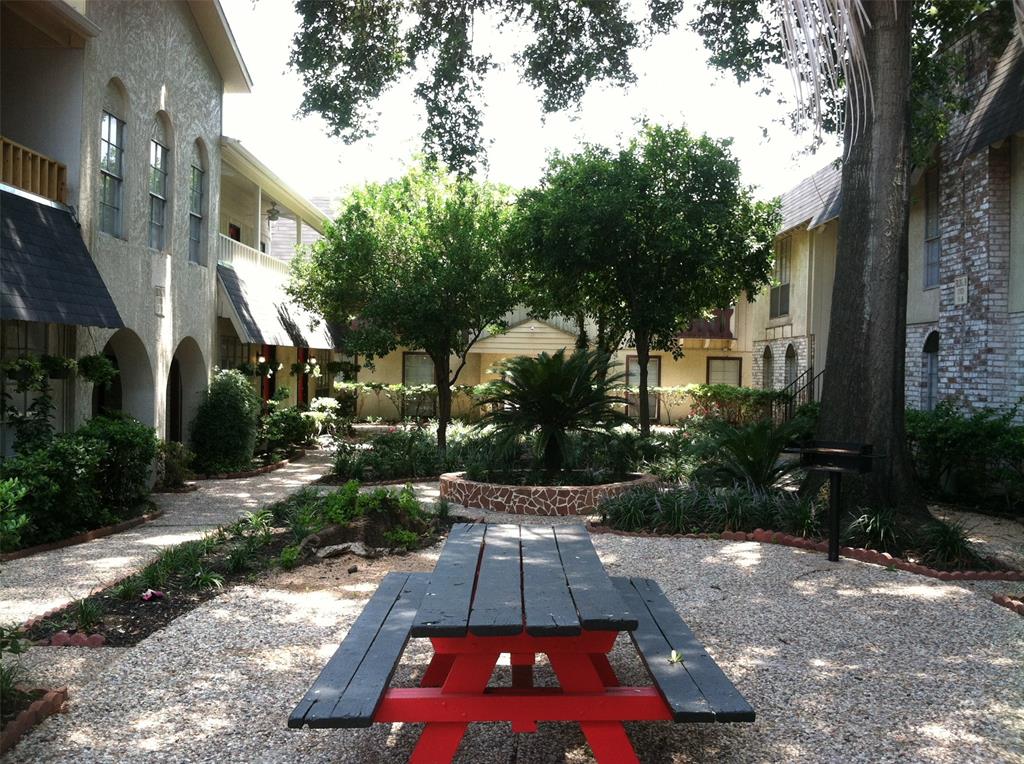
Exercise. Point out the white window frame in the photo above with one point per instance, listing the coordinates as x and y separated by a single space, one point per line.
738 362
112 145
159 169
197 180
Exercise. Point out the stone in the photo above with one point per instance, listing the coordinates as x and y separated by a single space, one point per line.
357 548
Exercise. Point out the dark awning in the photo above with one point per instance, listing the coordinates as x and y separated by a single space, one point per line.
46 272
265 315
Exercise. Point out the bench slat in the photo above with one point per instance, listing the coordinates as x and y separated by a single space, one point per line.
669 633
498 605
597 602
336 676
728 704
445 608
359 702
550 611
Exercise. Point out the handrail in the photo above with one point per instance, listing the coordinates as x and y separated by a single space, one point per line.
234 252
806 388
33 172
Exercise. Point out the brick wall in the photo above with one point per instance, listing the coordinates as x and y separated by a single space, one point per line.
803 346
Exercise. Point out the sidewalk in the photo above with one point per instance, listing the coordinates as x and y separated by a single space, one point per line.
33 585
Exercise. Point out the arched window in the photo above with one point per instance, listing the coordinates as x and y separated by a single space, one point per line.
159 182
197 204
790 365
113 140
767 369
931 371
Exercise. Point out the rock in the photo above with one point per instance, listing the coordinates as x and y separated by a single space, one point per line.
357 548
353 569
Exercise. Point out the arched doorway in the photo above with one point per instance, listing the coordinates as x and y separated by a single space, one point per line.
790 365
132 390
767 369
187 378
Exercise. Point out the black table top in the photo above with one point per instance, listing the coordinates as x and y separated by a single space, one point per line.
494 580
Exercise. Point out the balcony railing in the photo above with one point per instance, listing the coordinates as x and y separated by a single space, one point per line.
31 171
718 327
231 251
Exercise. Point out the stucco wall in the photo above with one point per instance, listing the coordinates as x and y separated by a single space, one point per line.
157 52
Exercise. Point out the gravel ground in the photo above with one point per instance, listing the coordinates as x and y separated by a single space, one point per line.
843 662
33 585
999 537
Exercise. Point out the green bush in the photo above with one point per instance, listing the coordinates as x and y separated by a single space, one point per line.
736 405
173 464
878 528
752 455
128 449
968 456
285 428
62 495
401 453
225 427
945 545
13 521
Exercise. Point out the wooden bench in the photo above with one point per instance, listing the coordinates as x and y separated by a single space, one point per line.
351 685
693 687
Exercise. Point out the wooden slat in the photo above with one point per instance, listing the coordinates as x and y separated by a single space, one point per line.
445 608
497 608
360 701
550 611
335 677
660 632
597 602
31 171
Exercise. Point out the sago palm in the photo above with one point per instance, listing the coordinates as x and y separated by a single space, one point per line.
553 394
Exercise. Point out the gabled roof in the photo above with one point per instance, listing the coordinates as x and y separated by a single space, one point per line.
999 112
814 201
263 313
213 26
46 272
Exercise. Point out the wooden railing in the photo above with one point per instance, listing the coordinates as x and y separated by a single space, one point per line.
718 327
231 251
31 171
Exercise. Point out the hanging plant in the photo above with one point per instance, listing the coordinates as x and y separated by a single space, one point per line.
267 369
58 367
97 369
334 368
248 369
298 369
313 368
26 371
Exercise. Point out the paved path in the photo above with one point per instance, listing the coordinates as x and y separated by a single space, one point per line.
33 585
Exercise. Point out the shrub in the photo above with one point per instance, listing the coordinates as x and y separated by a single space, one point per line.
403 453
224 430
342 506
945 545
13 521
751 455
128 449
61 494
736 405
878 528
172 464
285 428
289 557
968 456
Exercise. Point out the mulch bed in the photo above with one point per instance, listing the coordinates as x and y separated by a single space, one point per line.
34 706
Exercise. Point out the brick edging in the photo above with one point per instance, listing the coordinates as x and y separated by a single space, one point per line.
51 703
81 538
253 473
854 553
1010 603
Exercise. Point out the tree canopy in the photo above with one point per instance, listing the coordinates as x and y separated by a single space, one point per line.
650 236
418 263
743 38
350 52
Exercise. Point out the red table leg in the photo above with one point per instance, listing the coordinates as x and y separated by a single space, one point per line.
608 740
469 673
437 671
604 669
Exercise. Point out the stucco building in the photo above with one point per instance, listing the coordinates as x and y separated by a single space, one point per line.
965 293
111 124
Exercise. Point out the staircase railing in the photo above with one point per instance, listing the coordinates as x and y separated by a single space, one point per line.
806 388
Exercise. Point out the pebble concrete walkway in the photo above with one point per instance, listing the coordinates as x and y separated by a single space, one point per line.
34 585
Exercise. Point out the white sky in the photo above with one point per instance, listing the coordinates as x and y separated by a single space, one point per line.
675 87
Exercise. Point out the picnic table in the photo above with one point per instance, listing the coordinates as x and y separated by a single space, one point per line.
521 591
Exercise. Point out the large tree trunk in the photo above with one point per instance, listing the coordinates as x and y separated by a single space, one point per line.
442 374
863 395
643 355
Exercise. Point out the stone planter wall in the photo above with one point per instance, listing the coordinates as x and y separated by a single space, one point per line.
534 500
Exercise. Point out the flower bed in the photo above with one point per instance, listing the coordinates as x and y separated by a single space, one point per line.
535 499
